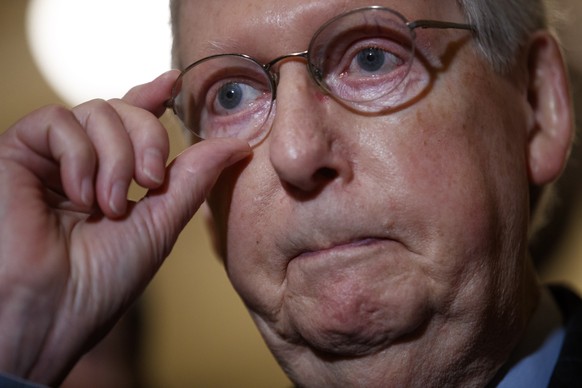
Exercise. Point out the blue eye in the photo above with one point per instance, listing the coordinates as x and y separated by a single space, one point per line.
371 59
364 69
230 95
235 97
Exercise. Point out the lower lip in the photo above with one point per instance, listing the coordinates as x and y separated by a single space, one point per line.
343 249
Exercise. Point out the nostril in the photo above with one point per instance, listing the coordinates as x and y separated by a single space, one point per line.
311 185
327 173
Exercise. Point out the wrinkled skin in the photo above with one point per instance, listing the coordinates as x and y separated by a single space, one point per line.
370 250
74 253
386 249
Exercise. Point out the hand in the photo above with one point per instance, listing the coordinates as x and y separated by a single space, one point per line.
74 253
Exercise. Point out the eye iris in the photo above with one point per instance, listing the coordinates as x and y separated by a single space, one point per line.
230 96
371 59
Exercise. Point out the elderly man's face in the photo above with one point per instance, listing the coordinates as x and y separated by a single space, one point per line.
388 242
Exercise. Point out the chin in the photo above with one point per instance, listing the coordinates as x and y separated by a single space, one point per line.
345 317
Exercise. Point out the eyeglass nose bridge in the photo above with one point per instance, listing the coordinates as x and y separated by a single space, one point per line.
313 72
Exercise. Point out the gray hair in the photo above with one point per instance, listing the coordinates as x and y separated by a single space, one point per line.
503 27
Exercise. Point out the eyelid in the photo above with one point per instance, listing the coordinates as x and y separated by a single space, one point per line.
214 97
232 116
389 47
237 123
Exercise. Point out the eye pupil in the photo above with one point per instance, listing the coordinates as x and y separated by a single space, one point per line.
230 95
371 59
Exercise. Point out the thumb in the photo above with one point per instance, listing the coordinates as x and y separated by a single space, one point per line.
167 210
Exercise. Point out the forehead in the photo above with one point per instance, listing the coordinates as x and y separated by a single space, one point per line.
210 27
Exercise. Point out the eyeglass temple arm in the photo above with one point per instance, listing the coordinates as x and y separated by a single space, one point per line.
438 24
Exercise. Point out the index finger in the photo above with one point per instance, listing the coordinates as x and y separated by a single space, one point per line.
153 95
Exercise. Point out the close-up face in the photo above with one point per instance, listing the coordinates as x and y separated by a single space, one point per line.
371 236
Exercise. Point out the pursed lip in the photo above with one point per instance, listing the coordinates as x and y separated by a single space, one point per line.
344 232
338 247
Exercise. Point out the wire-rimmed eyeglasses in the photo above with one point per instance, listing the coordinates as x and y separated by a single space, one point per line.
361 58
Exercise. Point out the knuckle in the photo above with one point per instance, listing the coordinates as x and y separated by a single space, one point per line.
96 115
97 103
93 107
65 133
116 101
56 113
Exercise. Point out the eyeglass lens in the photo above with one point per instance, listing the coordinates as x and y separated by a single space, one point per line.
361 58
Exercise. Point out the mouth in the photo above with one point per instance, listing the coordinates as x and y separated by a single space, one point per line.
339 240
339 248
344 254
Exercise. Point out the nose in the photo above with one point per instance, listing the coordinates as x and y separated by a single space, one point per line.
307 150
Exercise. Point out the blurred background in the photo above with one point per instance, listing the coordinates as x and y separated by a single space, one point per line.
190 329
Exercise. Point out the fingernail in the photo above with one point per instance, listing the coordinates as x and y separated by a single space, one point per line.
118 197
153 165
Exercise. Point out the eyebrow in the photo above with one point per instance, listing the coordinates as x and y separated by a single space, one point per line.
221 47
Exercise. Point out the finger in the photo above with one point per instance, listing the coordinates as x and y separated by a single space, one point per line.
114 151
53 136
190 177
153 95
150 142
114 147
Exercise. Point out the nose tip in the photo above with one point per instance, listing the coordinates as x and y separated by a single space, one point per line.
304 172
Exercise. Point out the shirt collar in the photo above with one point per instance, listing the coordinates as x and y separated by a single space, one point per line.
532 362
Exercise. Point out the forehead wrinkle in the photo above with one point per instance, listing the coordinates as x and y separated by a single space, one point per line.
290 24
285 20
289 16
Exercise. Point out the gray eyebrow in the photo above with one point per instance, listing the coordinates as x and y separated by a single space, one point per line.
221 47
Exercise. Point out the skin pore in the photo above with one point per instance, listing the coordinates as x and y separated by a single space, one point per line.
377 249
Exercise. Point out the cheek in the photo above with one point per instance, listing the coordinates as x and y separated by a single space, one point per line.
242 207
459 180
229 204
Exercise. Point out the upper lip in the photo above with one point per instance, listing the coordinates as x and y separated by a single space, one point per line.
309 230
